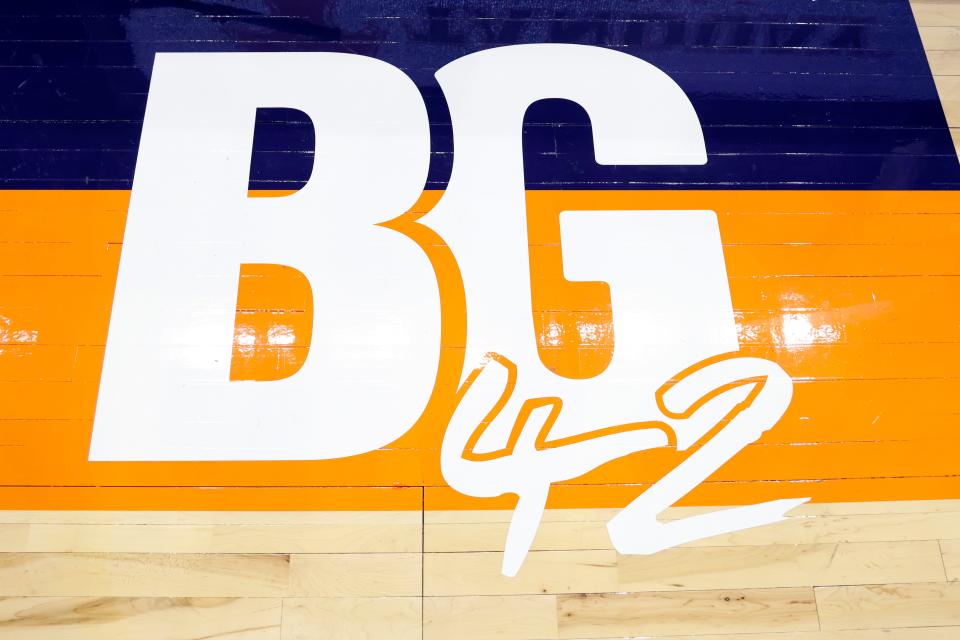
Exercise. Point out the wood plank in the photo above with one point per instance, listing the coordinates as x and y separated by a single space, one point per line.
363 574
854 528
673 513
323 538
333 537
567 533
936 13
915 633
143 575
462 579
940 38
235 539
490 618
889 606
951 559
14 537
949 89
571 535
490 536
781 566
351 619
141 618
452 574
688 612
706 568
872 508
951 109
56 538
391 519
944 63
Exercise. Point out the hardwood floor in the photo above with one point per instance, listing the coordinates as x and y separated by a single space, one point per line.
850 571
855 571
939 23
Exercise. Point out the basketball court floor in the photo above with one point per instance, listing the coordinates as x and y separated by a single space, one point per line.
876 559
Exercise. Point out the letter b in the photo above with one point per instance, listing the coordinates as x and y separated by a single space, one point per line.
165 392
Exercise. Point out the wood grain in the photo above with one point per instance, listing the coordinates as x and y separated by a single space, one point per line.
143 575
845 571
951 558
592 534
939 24
772 566
342 575
686 569
889 606
496 617
936 13
81 532
141 618
351 619
736 611
914 633
584 571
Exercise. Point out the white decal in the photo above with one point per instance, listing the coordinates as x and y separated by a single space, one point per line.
668 286
165 392
675 378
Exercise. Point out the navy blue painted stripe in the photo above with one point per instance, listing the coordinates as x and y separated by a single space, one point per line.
791 93
871 11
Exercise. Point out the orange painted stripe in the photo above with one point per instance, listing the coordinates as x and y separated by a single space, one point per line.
838 309
854 293
212 498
